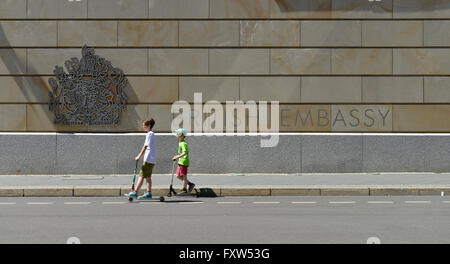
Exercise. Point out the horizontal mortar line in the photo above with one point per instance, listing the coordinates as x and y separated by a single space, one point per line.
225 47
222 19
33 203
417 202
244 75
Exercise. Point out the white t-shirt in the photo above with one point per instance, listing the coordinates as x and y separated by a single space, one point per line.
150 152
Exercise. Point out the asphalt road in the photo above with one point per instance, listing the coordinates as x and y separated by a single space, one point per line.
227 220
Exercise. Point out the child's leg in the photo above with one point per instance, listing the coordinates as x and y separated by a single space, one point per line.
149 184
139 184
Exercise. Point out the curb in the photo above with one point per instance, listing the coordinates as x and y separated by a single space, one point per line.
117 191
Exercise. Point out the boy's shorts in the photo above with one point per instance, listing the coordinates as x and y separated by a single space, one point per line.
182 170
146 170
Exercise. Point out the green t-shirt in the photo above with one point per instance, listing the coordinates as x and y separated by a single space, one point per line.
183 147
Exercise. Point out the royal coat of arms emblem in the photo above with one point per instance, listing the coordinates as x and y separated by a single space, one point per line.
91 93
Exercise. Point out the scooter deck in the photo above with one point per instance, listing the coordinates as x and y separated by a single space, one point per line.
160 198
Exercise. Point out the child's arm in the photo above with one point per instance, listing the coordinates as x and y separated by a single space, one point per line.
138 157
179 156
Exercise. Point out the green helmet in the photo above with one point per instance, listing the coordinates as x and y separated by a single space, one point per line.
181 131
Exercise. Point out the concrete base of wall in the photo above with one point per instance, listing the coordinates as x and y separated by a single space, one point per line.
60 153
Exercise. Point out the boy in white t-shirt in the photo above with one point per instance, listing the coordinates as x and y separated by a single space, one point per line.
149 153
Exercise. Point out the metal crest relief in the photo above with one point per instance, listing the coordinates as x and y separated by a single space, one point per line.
90 93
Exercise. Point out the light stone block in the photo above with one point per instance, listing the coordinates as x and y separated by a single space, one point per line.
40 119
362 61
392 89
13 9
239 61
437 90
152 90
13 61
331 90
362 9
28 33
332 154
392 33
60 191
131 61
220 89
57 9
131 120
270 33
28 154
436 33
305 9
300 61
91 33
179 9
162 115
305 118
43 61
421 118
393 153
239 9
282 89
178 61
24 89
118 8
209 33
361 118
331 33
13 117
421 9
148 33
421 61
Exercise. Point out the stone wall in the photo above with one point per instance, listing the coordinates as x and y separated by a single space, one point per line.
334 65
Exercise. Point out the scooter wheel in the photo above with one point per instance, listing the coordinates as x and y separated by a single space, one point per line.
130 199
161 199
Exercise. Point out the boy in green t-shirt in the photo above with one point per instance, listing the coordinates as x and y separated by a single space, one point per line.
183 161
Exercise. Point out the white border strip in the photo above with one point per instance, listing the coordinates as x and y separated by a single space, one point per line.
222 134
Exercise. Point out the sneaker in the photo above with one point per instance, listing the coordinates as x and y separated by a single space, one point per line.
132 194
147 195
183 191
191 186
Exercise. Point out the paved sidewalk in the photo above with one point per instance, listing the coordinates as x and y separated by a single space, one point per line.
236 184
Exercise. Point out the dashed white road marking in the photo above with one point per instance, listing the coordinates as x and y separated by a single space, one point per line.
77 203
39 203
417 202
113 203
8 203
446 201
380 202
342 202
304 202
